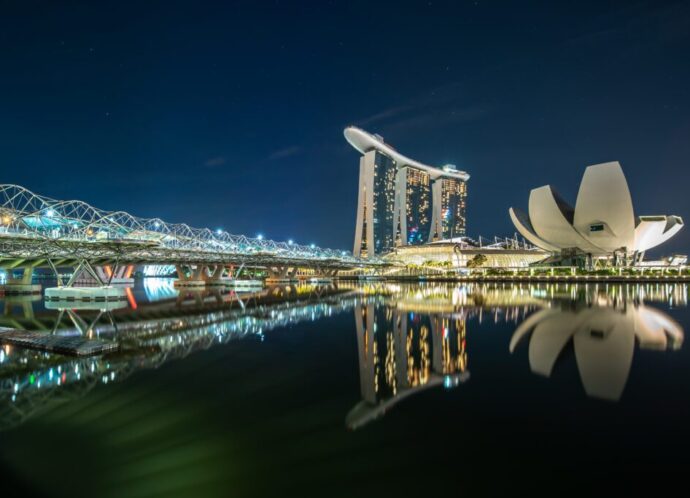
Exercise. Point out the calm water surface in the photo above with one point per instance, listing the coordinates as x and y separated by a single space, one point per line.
352 390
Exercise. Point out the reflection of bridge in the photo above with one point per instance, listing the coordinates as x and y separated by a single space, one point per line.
162 300
31 381
37 231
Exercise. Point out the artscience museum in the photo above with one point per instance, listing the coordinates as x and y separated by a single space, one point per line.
602 226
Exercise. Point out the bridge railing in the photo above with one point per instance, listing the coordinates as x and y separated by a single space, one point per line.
26 214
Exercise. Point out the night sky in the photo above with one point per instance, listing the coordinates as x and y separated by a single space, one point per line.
231 114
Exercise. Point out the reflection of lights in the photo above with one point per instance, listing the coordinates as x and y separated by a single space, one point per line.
159 288
450 382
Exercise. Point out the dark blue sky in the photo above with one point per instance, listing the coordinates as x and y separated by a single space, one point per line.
231 114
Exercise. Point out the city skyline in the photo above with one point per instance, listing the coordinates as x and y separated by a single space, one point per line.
179 117
294 248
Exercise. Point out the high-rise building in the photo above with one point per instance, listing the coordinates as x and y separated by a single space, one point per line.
402 201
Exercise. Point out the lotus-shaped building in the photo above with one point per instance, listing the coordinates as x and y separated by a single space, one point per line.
602 223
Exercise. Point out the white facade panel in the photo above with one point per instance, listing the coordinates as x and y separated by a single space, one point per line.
604 199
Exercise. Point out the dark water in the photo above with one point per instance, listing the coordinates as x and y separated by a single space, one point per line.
375 390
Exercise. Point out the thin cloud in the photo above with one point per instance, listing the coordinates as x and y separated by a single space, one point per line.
438 118
286 152
214 162
384 115
438 107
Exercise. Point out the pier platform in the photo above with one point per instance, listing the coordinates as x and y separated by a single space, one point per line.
245 284
15 289
68 345
86 294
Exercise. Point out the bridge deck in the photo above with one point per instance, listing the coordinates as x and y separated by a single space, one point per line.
67 345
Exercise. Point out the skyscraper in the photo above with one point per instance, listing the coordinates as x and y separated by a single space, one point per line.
402 201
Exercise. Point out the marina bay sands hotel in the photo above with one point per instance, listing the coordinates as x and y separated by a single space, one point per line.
401 201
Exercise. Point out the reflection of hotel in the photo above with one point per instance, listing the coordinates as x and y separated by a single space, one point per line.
401 201
401 353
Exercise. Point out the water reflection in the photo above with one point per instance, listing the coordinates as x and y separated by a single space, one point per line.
148 337
603 338
410 337
414 337
403 352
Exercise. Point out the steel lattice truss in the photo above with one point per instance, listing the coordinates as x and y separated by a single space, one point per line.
33 227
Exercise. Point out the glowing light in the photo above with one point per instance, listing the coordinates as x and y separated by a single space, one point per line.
260 237
50 213
313 246
290 242
219 231
156 224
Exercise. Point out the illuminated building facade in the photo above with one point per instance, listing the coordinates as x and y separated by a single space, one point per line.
401 201
377 175
412 217
450 195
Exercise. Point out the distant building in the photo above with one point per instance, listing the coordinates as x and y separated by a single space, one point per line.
401 201
459 251
601 226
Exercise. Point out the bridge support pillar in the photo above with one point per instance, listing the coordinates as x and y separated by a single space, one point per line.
323 275
187 276
200 275
108 274
281 274
213 275
22 285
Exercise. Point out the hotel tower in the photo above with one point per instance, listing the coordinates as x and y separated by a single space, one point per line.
402 201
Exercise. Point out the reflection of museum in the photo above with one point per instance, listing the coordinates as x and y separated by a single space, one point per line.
603 333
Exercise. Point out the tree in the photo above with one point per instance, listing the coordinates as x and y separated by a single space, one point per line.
477 261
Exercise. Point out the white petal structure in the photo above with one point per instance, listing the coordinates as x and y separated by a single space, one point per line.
602 222
653 230
604 209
